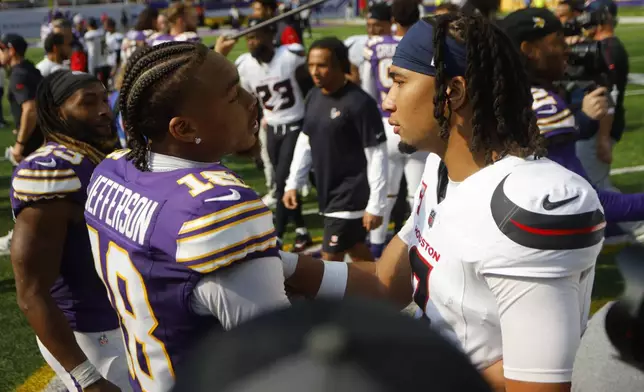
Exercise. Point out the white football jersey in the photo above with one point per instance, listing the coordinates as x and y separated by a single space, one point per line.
356 45
97 50
275 84
516 219
113 42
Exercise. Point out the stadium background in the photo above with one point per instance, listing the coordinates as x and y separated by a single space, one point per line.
21 366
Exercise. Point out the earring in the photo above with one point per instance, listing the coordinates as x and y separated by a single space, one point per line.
197 140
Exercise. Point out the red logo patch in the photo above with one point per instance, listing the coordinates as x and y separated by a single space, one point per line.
20 86
430 219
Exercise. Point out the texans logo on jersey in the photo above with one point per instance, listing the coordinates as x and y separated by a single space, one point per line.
432 217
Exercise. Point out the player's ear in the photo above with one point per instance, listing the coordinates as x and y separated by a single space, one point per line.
182 130
529 49
457 92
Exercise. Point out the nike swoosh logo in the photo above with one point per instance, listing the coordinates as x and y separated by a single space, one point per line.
234 195
550 205
51 163
543 231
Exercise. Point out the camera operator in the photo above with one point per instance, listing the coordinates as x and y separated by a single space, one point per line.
598 138
539 35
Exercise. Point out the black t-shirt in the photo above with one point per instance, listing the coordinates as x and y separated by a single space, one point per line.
616 59
23 82
340 126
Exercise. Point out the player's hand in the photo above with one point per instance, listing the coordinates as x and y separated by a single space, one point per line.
224 45
16 153
371 222
605 150
575 39
102 385
290 199
595 103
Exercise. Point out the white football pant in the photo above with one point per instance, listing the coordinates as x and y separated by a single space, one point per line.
411 165
105 350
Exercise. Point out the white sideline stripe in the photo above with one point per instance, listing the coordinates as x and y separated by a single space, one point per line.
632 93
624 170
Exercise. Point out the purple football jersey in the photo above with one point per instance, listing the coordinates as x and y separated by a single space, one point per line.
56 172
553 115
156 235
379 52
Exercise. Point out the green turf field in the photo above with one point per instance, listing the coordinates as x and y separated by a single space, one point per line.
19 356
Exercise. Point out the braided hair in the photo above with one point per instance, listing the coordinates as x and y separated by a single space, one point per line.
497 86
156 80
55 129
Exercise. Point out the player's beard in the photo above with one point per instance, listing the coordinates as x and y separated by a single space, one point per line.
81 131
260 51
406 148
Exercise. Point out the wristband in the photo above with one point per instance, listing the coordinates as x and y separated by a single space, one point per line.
19 142
85 374
289 263
334 280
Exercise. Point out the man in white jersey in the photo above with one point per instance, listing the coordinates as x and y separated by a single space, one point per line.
113 41
97 51
379 53
500 250
56 52
279 78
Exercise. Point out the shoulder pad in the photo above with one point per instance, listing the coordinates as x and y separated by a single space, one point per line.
374 40
350 41
296 49
232 224
118 154
53 171
541 221
136 35
188 36
542 205
242 58
553 115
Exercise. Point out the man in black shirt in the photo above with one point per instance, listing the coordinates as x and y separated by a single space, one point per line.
344 140
23 82
595 151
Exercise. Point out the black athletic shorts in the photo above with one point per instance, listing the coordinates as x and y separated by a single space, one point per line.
341 235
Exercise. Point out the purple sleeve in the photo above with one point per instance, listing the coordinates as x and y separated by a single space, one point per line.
618 207
231 225
52 172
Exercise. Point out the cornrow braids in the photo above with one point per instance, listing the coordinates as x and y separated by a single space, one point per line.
497 86
56 129
156 79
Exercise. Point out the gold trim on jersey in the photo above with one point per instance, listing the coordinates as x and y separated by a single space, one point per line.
229 258
46 173
45 186
221 215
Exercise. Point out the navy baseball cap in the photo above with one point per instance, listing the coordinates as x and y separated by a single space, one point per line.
15 41
350 345
597 5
